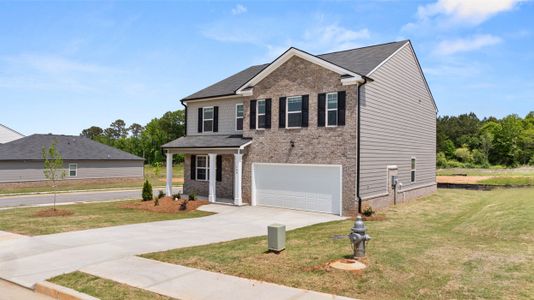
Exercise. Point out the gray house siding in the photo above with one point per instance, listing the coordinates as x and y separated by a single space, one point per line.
227 116
398 122
21 171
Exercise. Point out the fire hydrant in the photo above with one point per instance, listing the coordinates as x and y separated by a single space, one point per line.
358 237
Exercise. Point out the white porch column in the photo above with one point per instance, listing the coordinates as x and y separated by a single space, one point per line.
212 177
238 175
168 187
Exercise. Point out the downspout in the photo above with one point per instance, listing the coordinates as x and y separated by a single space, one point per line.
358 147
185 115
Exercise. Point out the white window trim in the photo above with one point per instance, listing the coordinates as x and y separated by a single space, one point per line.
212 118
207 168
236 117
293 112
331 109
258 113
75 169
413 170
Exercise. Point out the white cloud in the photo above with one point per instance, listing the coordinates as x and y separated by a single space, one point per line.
334 37
448 47
239 9
470 11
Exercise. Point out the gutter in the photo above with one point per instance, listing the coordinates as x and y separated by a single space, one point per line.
358 145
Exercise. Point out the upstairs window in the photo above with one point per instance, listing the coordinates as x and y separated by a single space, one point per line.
73 170
239 117
260 115
412 172
294 112
207 116
331 109
202 169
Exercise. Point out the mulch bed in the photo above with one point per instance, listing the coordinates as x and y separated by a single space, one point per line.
166 205
376 217
53 213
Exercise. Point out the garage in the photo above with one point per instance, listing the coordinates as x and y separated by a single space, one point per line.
297 186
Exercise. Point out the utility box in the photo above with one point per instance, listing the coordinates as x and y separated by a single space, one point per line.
276 237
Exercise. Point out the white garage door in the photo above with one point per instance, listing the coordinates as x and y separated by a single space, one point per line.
304 187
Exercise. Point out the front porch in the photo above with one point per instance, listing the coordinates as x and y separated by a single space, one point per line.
213 167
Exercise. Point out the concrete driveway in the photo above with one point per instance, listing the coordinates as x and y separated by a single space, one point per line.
28 260
62 198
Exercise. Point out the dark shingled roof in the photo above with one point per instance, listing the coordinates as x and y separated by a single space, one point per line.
71 148
208 141
360 60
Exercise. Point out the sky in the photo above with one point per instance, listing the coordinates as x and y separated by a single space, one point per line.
69 65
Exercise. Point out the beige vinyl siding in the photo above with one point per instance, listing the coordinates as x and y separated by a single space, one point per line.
19 171
227 115
398 122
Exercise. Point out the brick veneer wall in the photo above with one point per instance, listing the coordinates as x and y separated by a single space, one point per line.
223 189
313 145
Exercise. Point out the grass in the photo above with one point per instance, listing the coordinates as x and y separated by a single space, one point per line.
154 176
509 181
492 171
455 244
86 216
103 288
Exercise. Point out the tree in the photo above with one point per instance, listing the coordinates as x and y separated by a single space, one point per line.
118 129
506 144
92 132
135 129
53 167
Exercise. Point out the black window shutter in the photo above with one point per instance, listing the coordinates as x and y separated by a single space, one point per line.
282 112
193 167
321 107
215 118
200 119
185 124
305 109
219 168
252 114
268 113
341 96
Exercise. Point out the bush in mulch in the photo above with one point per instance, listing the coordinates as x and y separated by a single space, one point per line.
53 213
166 205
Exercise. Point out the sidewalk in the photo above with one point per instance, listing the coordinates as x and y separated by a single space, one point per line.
188 283
11 291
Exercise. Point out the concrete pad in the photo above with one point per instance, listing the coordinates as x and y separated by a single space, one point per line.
348 265
29 260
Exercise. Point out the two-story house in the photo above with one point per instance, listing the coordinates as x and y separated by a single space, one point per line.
327 133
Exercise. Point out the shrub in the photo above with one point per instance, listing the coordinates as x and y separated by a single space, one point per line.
183 205
147 191
161 194
176 196
464 155
368 212
441 160
455 164
480 158
531 162
192 196
156 201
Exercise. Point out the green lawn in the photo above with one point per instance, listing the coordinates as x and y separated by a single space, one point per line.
156 178
86 216
509 181
455 244
493 171
102 288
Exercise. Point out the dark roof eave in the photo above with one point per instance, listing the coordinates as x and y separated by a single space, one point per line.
208 97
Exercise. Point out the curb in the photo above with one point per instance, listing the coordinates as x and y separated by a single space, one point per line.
60 292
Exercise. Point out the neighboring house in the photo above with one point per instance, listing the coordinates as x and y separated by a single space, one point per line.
7 134
293 134
21 160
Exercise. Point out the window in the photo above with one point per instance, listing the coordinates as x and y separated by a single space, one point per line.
239 117
412 179
331 109
202 168
294 112
73 170
207 117
260 115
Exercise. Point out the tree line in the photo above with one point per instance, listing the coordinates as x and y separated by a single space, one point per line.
467 141
143 141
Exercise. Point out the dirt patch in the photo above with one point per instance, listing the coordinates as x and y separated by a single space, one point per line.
166 205
53 213
376 217
461 179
